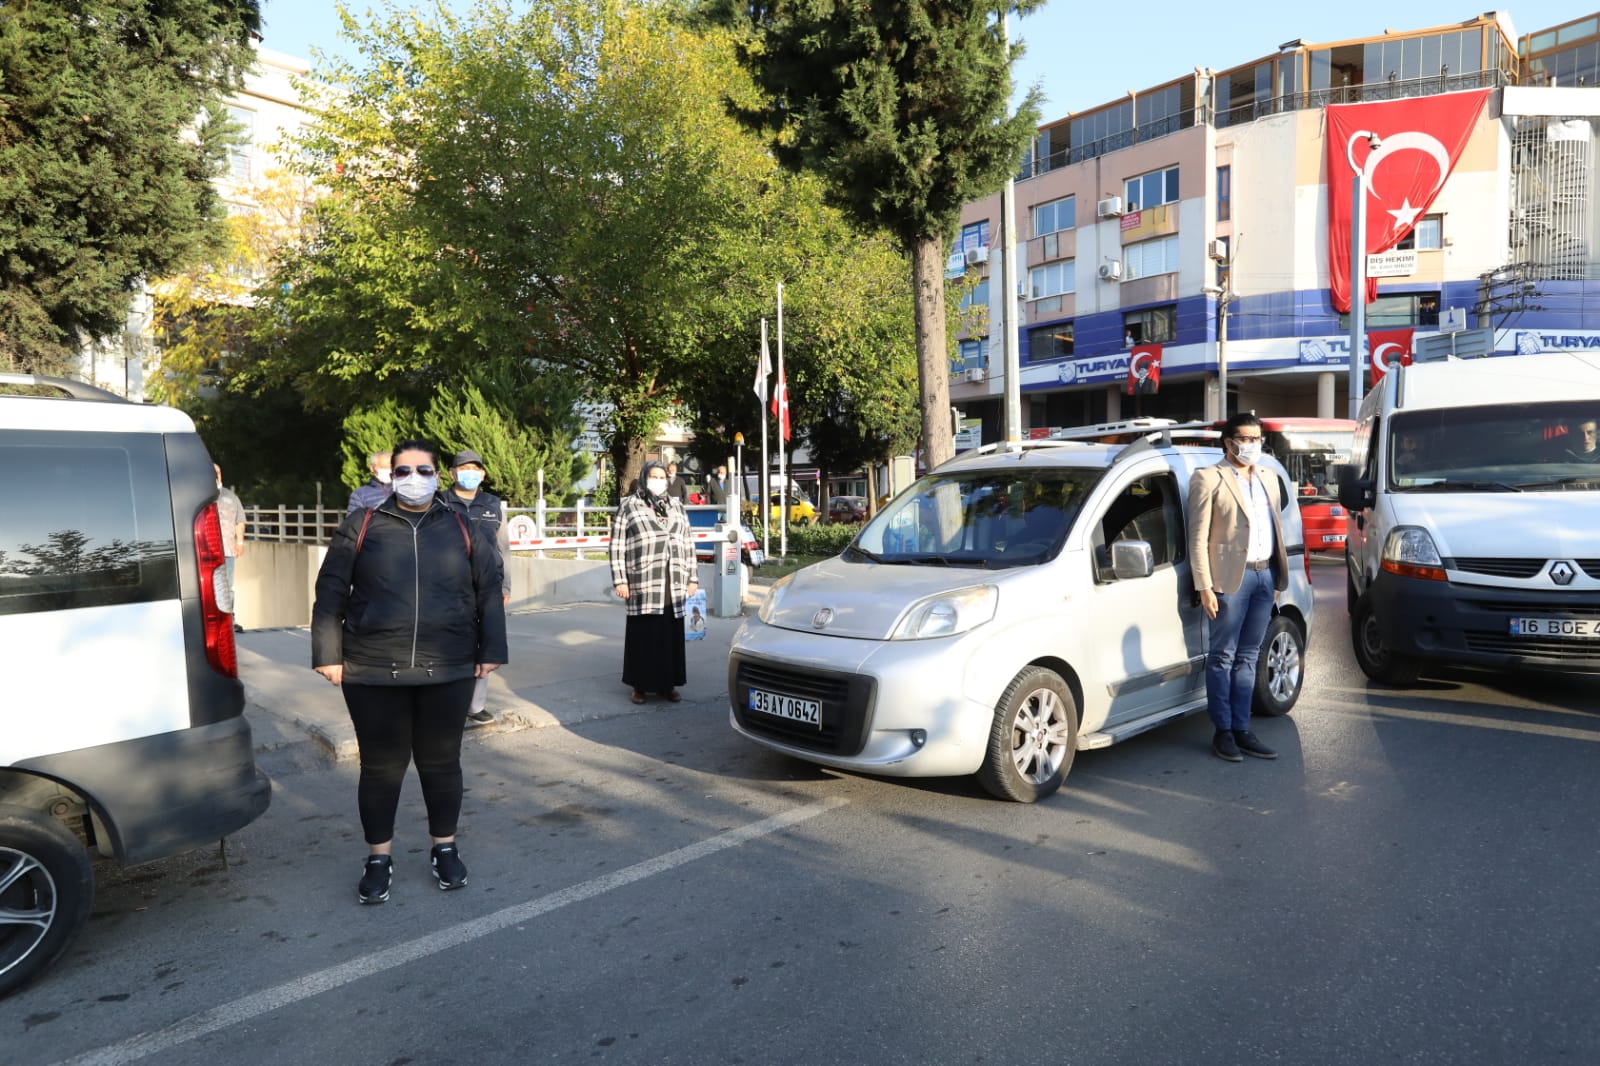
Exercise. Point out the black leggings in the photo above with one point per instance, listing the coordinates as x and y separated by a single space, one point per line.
395 723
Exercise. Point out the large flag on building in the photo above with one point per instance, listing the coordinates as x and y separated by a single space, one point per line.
780 405
763 368
1420 141
1387 348
1144 370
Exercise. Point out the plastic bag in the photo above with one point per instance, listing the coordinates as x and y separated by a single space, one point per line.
694 616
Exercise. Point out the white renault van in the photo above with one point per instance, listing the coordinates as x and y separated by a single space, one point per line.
121 719
1474 517
1007 610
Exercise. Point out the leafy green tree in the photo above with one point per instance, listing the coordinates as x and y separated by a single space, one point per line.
903 108
376 428
512 454
111 129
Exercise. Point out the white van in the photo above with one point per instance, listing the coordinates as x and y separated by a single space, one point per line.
1474 517
121 724
1006 611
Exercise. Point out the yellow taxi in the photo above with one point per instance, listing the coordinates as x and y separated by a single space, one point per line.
801 511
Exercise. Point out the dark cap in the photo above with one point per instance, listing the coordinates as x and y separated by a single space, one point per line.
465 456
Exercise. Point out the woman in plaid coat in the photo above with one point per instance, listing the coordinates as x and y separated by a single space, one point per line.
653 570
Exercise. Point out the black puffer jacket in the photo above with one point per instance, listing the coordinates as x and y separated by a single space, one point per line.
413 606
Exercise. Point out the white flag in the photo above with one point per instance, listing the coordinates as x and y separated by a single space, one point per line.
764 370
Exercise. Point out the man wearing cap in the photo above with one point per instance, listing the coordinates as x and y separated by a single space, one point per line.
481 506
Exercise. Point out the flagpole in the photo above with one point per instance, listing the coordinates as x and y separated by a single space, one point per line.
783 420
760 497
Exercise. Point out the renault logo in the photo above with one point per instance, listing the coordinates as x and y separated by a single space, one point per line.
1562 572
821 619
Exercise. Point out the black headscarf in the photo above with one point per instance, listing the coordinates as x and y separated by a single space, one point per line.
657 503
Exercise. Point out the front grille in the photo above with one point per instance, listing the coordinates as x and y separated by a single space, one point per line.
1589 566
1541 608
1583 654
845 699
1497 567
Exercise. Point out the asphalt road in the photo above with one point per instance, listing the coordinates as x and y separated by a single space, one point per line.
1412 881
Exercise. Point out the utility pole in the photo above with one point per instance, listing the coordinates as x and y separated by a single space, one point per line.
1224 295
1008 293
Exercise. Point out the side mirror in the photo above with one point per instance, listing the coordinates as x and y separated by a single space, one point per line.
1355 492
1132 559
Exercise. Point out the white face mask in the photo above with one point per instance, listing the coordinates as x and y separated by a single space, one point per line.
416 489
656 485
383 475
1248 454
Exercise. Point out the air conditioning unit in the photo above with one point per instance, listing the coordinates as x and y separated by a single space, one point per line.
1218 250
1110 207
977 256
1111 271
976 374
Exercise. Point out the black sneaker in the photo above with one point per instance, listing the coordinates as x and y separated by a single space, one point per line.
375 877
477 718
1224 747
448 867
1250 744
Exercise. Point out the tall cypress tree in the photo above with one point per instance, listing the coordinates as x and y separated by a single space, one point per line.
111 130
903 107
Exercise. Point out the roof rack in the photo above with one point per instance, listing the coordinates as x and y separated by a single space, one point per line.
77 390
1003 447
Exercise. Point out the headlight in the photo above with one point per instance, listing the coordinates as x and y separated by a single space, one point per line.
774 595
948 613
1411 546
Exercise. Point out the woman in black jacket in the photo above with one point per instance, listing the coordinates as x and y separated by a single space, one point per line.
408 615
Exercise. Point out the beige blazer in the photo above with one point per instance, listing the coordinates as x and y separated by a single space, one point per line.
1219 529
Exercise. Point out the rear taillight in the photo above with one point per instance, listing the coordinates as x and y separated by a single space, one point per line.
217 622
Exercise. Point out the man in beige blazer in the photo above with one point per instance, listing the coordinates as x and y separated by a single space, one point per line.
1237 555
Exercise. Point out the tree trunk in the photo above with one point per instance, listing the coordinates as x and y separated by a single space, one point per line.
933 365
627 460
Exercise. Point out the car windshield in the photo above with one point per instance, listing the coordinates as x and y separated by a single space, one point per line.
1530 447
1308 456
980 518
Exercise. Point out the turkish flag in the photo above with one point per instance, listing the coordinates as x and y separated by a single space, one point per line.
1386 346
1421 140
780 404
1144 370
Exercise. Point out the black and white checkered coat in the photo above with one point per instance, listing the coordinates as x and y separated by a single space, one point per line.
654 556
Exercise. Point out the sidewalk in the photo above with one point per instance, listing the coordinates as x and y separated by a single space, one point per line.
566 667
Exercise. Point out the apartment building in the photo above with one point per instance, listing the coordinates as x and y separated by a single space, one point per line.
1202 226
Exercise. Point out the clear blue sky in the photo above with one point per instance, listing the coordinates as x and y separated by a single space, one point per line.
1086 54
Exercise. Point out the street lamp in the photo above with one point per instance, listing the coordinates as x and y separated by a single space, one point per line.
738 462
1358 277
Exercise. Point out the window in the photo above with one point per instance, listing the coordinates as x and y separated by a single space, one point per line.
975 235
1224 193
1395 310
1053 217
239 156
1149 258
1152 190
1147 510
977 296
1154 325
1049 345
1052 279
1426 237
969 356
95 529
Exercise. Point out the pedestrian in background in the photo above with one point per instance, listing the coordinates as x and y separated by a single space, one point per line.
717 487
653 571
677 488
230 515
488 512
1239 564
376 490
407 616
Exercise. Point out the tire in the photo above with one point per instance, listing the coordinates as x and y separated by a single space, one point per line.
1037 707
45 874
1281 670
1376 660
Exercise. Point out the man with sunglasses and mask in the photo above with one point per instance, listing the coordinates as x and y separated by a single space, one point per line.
1239 562
486 511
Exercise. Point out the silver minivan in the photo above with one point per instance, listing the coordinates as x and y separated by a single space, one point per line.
1007 610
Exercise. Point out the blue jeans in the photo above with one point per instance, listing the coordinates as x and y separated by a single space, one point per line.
1236 634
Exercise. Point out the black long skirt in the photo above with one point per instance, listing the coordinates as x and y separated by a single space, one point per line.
652 652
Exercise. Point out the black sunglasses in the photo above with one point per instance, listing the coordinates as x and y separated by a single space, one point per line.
1243 440
407 471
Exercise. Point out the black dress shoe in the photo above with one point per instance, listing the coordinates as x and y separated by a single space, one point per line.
1250 744
1223 747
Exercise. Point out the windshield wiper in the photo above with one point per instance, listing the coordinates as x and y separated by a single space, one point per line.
917 560
869 556
1464 486
1562 482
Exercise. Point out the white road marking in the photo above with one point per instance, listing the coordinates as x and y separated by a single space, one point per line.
313 984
